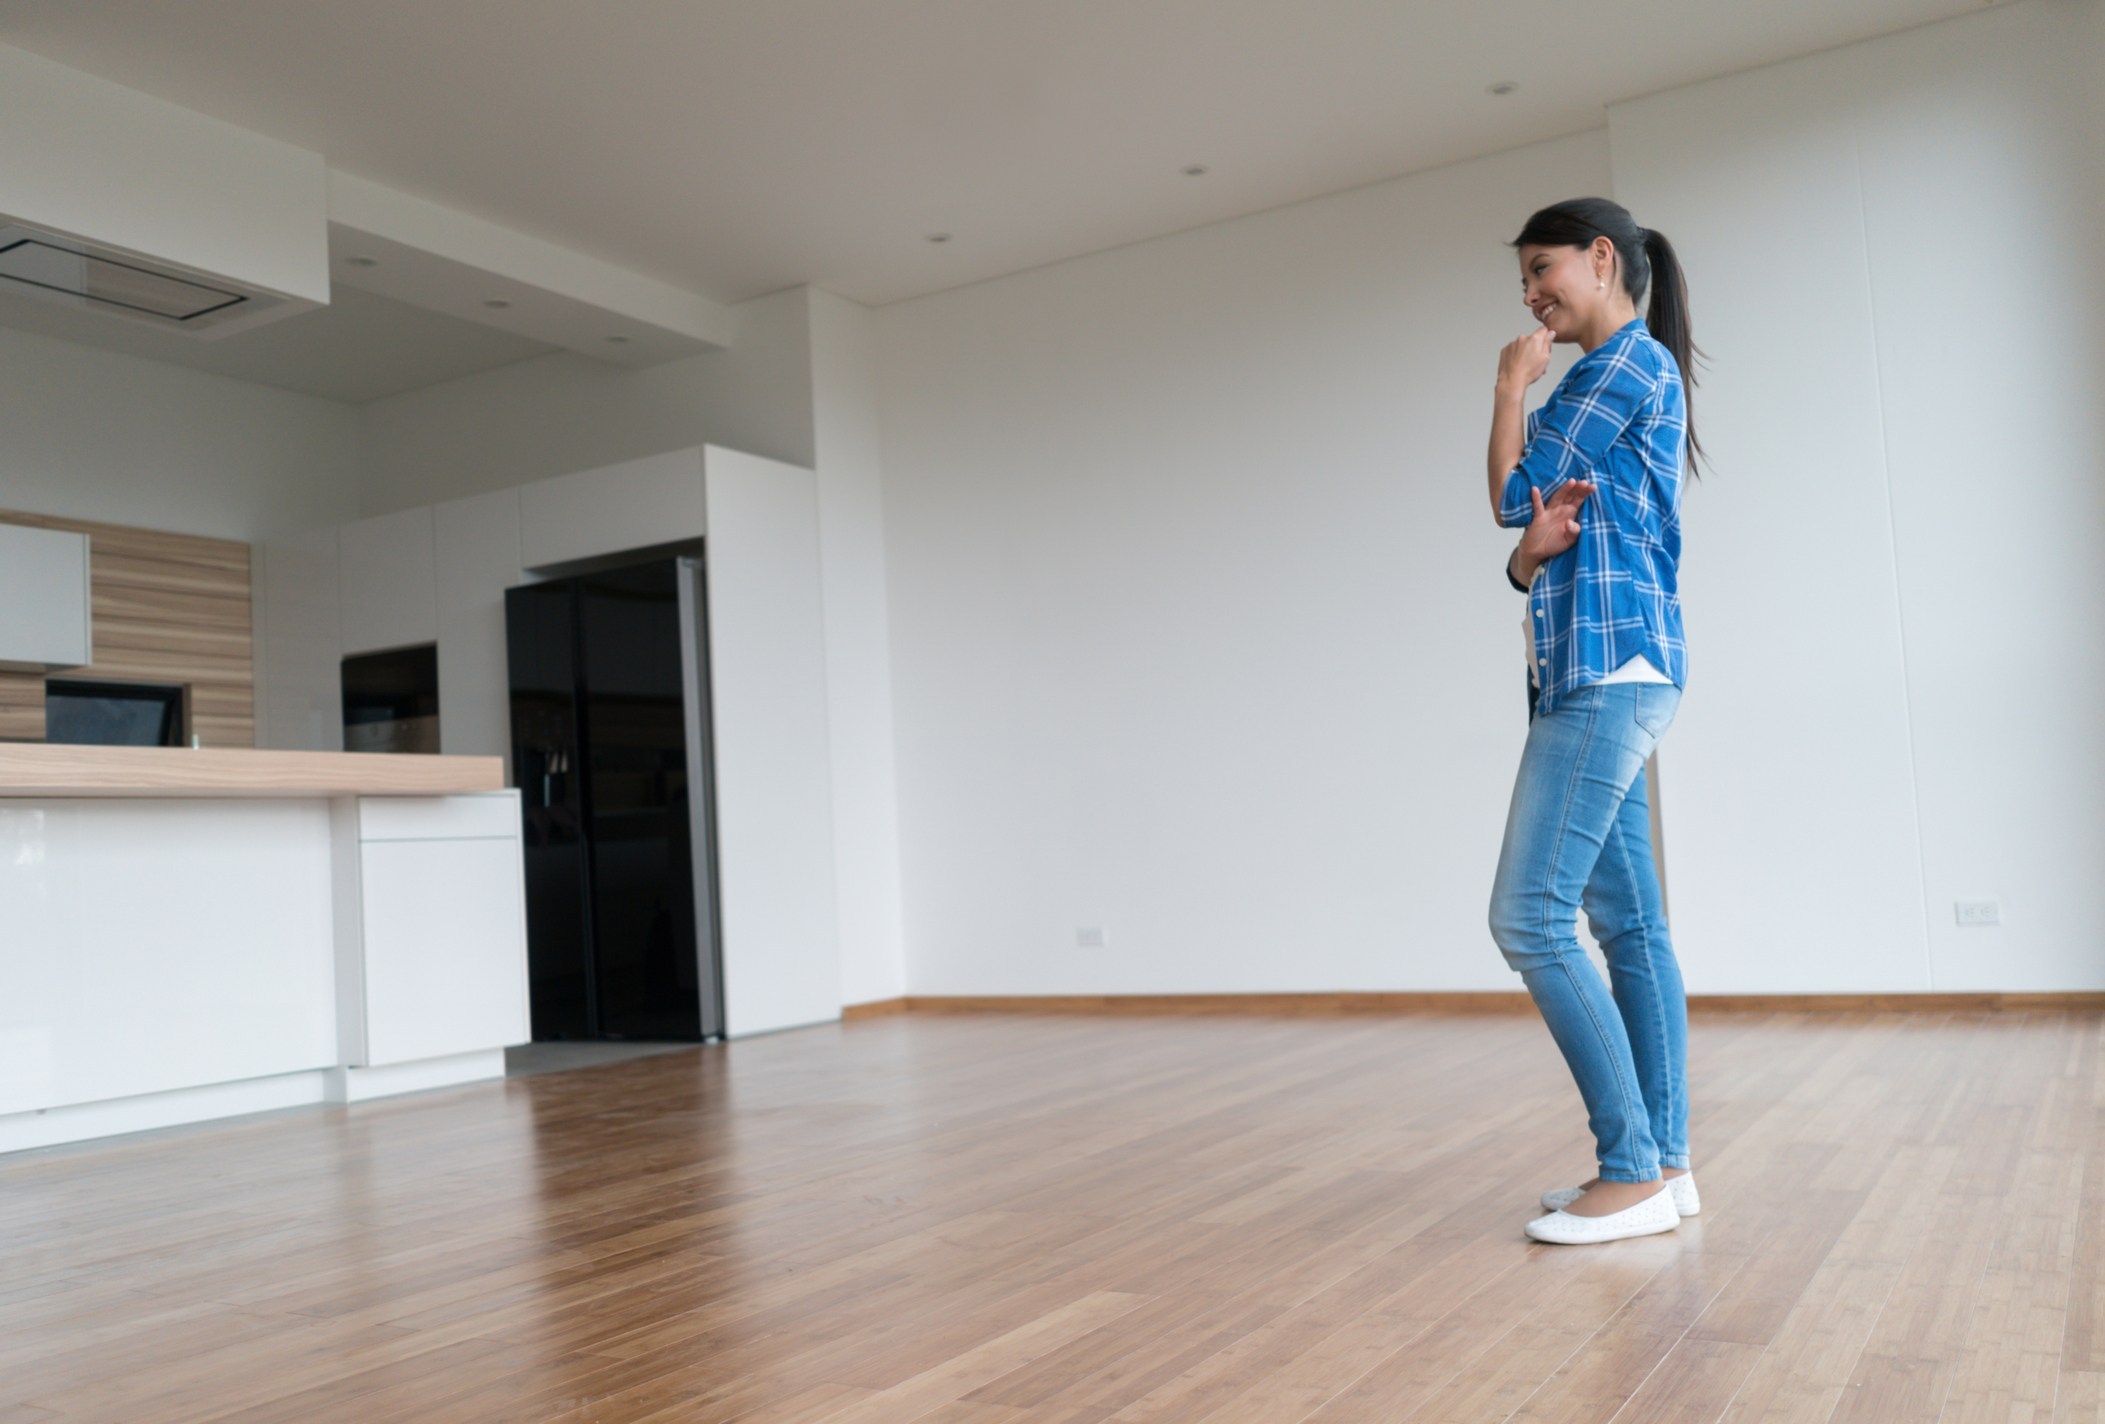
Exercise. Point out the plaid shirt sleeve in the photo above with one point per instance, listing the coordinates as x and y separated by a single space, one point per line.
1568 434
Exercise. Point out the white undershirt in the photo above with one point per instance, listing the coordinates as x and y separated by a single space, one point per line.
1638 669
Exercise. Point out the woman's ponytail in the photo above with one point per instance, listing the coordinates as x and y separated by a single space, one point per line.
1648 263
1667 317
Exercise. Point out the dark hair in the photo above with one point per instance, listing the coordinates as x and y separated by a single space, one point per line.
1647 261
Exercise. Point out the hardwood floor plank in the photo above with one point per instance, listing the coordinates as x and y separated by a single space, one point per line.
1932 1316
965 1412
2011 1358
1806 1372
1464 1333
1696 1379
2083 1340
973 1369
2080 1397
1117 1363
258 1359
820 1402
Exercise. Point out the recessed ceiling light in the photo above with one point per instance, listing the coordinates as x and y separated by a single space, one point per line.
1502 88
939 237
619 340
497 304
361 262
1196 170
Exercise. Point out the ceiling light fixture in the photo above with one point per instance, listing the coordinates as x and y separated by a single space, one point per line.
1502 88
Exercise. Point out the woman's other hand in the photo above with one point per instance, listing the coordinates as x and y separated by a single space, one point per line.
1524 360
1554 528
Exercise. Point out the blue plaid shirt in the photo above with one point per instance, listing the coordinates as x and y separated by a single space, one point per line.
1619 419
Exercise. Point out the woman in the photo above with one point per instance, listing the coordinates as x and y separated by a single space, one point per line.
1607 662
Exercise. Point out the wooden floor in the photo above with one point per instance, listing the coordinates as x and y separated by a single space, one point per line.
980 1220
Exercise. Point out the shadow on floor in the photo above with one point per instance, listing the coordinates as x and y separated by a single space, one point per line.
531 1058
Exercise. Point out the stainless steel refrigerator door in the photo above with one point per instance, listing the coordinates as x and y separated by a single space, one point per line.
701 800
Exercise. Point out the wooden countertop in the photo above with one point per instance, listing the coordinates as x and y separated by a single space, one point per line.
31 769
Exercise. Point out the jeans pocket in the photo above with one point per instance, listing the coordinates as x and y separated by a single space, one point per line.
1656 705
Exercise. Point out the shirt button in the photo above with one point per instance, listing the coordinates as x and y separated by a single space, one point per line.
1542 662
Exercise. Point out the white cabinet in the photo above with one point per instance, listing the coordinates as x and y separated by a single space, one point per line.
159 945
299 670
435 953
444 936
773 752
389 582
638 504
43 599
478 559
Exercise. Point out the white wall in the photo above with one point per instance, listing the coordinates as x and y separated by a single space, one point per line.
1198 623
553 415
90 434
1892 586
847 450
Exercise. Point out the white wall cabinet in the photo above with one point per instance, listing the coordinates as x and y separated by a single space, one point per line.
637 504
389 573
44 599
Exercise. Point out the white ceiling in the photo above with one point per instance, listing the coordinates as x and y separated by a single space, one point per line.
358 348
734 147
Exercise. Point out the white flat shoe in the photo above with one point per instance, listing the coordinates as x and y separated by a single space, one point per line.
1654 1214
1683 1187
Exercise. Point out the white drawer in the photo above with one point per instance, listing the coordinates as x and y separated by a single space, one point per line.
445 949
485 816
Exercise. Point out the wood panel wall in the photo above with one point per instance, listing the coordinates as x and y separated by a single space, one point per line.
165 608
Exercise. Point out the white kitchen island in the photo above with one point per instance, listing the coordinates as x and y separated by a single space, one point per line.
195 934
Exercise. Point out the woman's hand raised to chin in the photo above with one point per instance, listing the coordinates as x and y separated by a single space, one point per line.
1524 360
1520 365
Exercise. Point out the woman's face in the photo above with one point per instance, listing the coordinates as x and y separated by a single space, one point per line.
1560 287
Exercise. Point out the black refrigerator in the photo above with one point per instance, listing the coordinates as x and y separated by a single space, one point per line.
610 747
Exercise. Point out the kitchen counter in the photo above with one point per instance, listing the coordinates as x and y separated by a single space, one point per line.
40 769
191 934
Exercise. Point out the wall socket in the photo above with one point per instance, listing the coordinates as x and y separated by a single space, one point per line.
1978 912
1090 936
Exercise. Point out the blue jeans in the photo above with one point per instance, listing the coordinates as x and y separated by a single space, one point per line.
1579 833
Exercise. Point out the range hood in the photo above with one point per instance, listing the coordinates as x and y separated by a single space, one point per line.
90 276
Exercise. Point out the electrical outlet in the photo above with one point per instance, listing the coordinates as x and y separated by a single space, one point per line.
1090 936
1978 912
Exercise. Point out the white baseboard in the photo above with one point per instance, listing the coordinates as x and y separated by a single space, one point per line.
48 1127
82 1122
357 1085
